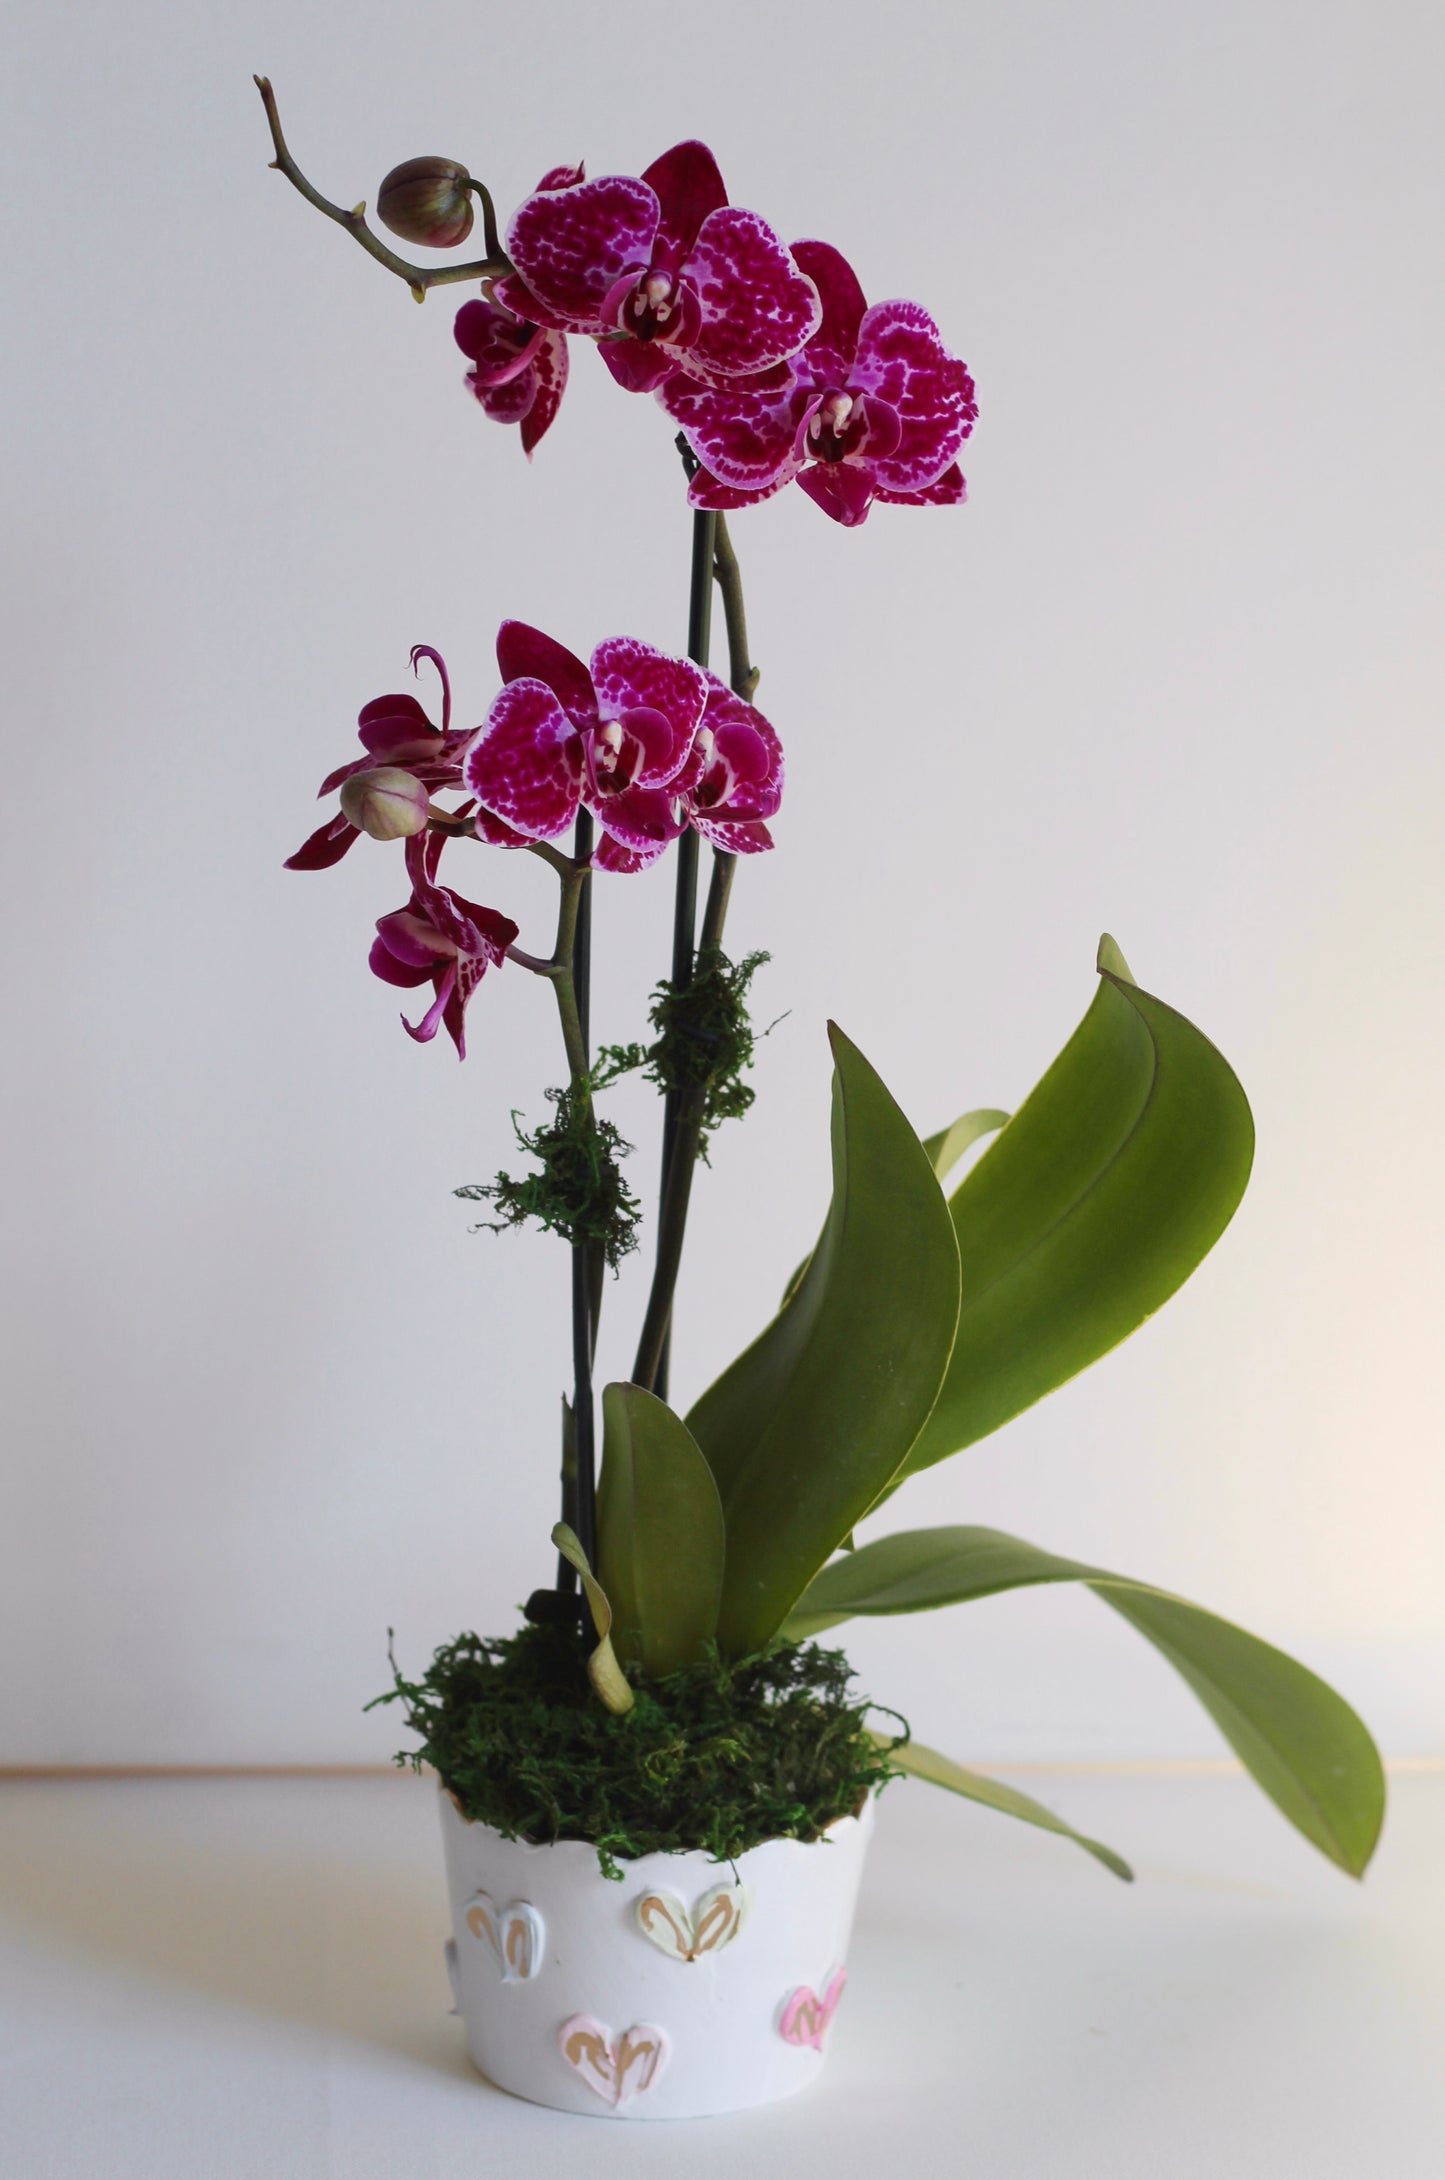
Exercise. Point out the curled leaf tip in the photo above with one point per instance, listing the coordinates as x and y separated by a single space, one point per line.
1110 960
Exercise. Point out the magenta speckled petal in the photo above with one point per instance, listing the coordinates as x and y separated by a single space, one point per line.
709 491
511 292
639 367
549 370
843 490
526 762
688 187
949 490
842 303
629 675
333 780
496 833
642 818
394 730
609 854
572 245
511 402
500 344
385 964
883 428
901 357
656 740
412 940
524 650
424 1030
743 432
326 845
757 308
747 838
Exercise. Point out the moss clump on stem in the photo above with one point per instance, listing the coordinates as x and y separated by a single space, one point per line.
578 1190
715 1756
704 1044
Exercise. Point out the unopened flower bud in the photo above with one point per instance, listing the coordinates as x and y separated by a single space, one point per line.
427 201
385 802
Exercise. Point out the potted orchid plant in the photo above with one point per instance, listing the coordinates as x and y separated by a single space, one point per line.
656 1791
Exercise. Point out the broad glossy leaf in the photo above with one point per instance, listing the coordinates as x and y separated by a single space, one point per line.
1303 1744
944 1151
659 1532
922 1762
603 1670
803 1431
948 1146
1115 1177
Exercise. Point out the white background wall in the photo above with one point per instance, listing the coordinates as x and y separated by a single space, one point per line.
1174 672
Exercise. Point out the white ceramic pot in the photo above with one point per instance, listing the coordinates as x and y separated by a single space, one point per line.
688 1988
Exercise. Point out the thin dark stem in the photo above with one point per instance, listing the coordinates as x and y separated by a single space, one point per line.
653 1350
650 1368
417 277
699 603
742 674
584 1328
719 893
584 1284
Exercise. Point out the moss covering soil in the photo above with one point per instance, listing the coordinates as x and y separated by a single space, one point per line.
717 1757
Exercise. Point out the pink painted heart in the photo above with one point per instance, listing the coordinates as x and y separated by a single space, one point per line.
805 2017
616 2068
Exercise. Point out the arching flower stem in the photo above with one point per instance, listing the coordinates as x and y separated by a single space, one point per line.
417 277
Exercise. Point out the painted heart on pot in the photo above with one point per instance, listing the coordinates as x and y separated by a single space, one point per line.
616 2068
715 1920
515 1934
805 2016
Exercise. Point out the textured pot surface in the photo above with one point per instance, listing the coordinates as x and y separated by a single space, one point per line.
691 1987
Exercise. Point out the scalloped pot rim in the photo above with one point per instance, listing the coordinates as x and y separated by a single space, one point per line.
688 1988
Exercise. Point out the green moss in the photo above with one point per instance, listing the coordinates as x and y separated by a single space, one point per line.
578 1189
704 1041
718 1757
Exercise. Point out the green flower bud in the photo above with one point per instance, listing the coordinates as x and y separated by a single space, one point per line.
427 201
385 802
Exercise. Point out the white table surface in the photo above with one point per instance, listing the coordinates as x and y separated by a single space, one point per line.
243 1980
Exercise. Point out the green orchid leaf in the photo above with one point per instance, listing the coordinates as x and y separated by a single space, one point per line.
948 1146
925 1763
606 1675
944 1151
1301 1742
803 1431
1116 1176
659 1533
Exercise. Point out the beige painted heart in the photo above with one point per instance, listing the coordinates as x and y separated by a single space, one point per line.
713 1922
515 1934
617 2068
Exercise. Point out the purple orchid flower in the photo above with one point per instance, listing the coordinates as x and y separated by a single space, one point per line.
395 732
874 408
519 368
519 371
662 270
614 738
731 782
440 939
733 779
